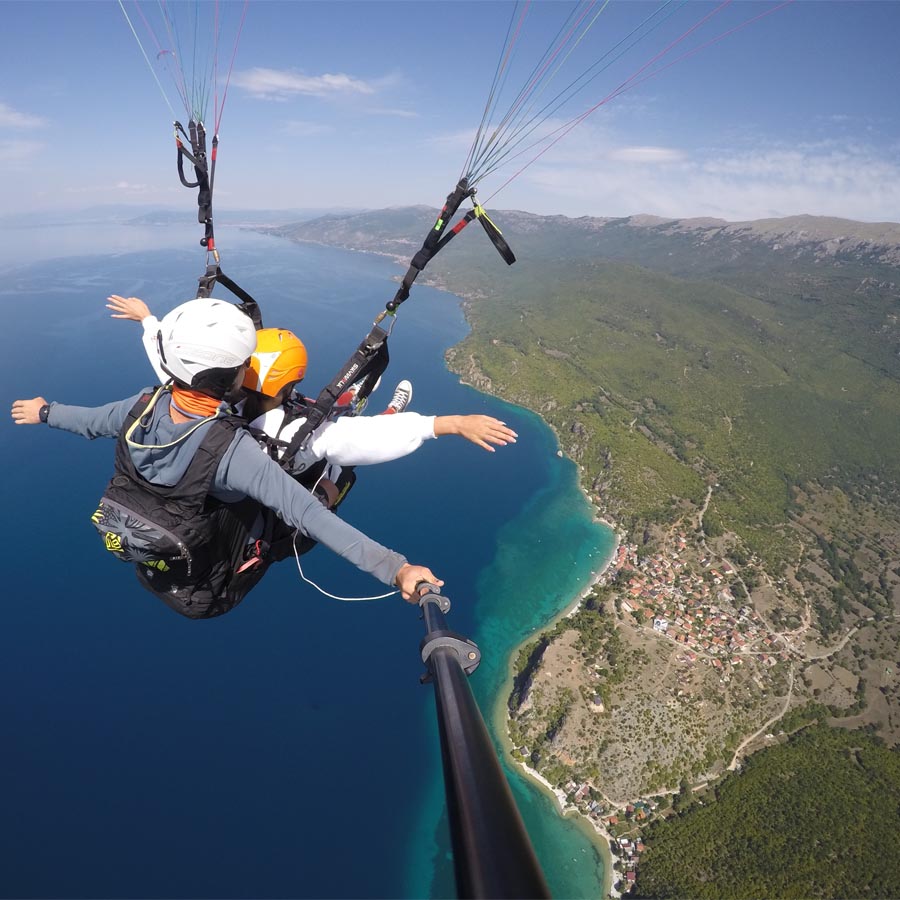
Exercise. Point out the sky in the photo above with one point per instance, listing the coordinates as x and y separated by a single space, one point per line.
375 104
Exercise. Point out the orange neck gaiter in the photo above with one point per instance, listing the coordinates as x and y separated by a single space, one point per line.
193 403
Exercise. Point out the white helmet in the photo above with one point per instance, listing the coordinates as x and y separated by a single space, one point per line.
204 342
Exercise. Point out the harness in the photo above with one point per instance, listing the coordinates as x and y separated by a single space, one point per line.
278 539
371 357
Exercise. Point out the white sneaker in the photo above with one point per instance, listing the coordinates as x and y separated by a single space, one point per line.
402 395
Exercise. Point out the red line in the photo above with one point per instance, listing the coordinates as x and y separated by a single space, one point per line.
216 67
633 81
553 56
515 36
711 41
160 50
231 65
178 67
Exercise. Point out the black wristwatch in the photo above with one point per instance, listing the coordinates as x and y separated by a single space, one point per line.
43 412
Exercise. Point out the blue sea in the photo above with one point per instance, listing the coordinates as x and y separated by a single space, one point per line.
286 749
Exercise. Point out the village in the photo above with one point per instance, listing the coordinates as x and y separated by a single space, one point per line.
697 610
621 828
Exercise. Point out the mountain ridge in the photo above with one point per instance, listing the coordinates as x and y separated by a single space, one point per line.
822 236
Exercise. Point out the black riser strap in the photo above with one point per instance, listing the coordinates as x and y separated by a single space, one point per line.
370 359
182 153
497 240
248 304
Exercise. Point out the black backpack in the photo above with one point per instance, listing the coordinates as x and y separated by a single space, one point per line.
171 529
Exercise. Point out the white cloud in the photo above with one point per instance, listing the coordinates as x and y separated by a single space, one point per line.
387 111
301 128
15 153
12 118
651 155
128 188
280 84
589 175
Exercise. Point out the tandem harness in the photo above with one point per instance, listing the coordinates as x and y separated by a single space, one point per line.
371 357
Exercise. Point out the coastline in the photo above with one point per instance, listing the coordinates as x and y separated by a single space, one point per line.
498 715
598 835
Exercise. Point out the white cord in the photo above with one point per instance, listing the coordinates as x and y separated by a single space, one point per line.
322 590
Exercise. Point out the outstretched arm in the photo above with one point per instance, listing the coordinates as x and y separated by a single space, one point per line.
245 468
88 421
367 440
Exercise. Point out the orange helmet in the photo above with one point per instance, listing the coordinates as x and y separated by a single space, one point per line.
279 360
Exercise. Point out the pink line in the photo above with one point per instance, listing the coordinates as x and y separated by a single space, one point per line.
555 53
633 81
231 66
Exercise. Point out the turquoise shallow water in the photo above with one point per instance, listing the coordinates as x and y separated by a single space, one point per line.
286 749
543 558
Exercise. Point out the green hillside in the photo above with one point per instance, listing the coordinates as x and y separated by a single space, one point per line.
673 383
815 817
759 359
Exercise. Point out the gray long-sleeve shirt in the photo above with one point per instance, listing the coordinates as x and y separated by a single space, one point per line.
166 449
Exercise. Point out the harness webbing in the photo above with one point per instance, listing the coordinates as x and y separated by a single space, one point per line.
439 237
205 173
432 242
371 357
368 362
248 305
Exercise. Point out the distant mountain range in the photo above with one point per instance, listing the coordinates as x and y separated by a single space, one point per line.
633 238
249 218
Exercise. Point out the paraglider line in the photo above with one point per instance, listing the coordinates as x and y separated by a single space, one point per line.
633 80
523 130
144 53
533 79
496 87
237 39
173 41
536 78
216 72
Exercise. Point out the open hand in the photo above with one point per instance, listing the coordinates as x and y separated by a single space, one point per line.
480 430
127 308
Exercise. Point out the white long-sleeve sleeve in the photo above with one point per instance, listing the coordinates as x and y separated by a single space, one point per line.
357 440
151 329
